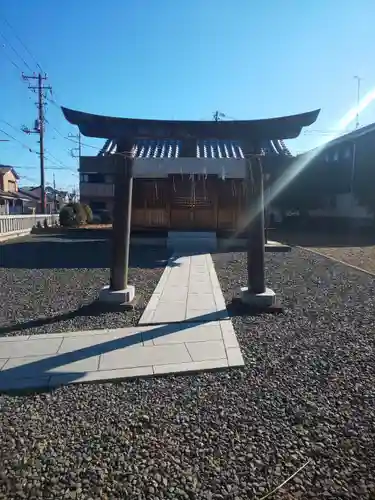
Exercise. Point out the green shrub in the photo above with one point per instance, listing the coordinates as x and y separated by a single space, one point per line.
80 213
67 216
88 211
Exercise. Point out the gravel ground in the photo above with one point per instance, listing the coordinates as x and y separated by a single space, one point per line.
362 257
48 284
356 249
307 392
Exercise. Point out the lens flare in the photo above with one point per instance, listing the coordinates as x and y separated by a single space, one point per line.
304 160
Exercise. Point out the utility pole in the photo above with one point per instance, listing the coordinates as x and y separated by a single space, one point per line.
54 193
39 128
359 79
218 115
76 152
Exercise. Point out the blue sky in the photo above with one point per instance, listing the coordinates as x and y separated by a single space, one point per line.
172 59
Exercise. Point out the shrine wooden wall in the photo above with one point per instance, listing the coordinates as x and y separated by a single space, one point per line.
188 202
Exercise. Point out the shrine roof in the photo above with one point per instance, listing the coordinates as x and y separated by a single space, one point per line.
286 127
145 148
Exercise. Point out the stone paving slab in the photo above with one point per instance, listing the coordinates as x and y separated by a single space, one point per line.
188 290
42 361
185 328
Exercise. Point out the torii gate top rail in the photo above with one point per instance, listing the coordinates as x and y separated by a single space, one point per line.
106 127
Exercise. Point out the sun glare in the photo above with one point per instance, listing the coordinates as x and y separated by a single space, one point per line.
298 166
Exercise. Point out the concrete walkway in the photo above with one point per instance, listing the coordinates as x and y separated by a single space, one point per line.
187 290
58 359
192 333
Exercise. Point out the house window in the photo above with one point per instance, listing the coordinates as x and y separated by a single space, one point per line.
12 187
93 178
96 178
336 156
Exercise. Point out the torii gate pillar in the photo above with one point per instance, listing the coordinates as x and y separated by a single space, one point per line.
256 295
119 291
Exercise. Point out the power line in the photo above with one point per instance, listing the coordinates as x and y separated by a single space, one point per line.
39 124
20 41
61 167
83 144
7 42
9 125
16 140
52 101
54 157
11 60
78 149
33 168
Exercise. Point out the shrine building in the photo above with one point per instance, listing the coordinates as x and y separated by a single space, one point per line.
188 175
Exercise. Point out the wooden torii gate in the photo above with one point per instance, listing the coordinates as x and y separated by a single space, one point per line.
248 133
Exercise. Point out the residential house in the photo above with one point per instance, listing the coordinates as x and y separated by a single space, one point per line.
12 201
55 199
334 176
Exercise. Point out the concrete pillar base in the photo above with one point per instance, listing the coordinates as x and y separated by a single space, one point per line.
265 300
117 297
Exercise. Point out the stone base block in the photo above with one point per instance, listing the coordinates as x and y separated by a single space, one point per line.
259 301
117 297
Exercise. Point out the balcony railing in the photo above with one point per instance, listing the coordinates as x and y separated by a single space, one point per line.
24 223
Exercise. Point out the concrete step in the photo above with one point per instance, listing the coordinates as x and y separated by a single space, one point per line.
192 241
192 234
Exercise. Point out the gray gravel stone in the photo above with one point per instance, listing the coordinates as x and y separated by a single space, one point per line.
306 392
48 284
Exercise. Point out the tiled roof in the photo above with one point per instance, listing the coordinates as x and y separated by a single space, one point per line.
4 169
13 195
204 149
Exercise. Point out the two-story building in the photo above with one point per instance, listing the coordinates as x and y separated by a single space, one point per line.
335 177
12 201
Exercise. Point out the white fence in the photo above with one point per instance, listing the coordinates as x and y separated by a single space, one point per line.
14 225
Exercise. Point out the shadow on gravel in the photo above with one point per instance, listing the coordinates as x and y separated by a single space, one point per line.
94 309
41 369
66 253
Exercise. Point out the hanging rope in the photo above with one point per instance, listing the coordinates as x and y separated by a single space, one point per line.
192 178
156 190
223 173
250 168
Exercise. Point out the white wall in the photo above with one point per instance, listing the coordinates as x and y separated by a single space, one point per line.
346 206
162 167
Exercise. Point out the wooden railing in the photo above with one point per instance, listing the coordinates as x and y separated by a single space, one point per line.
13 224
